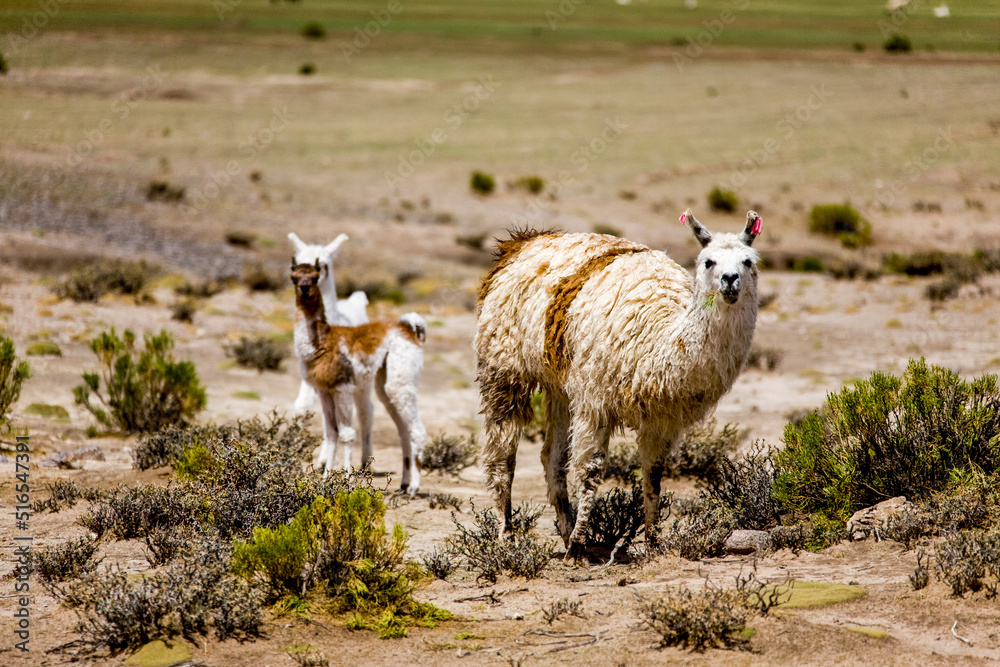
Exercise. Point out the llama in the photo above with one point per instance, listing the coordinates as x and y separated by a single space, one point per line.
616 335
345 312
343 363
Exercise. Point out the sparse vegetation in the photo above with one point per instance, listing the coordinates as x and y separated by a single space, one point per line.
61 491
523 555
91 281
68 560
13 373
143 391
183 310
164 191
764 358
307 69
314 30
240 239
482 183
533 184
723 200
554 611
449 453
259 279
43 348
711 618
700 529
259 352
842 222
444 501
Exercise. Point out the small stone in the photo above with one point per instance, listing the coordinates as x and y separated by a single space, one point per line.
746 541
865 522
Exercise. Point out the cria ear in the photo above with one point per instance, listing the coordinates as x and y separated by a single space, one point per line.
703 235
294 264
296 241
754 223
334 245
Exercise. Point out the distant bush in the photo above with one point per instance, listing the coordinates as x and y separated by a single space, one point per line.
554 611
4 67
969 561
145 391
699 530
723 200
61 491
764 358
888 437
307 69
610 230
439 564
703 446
942 290
240 239
842 222
259 352
163 191
481 183
91 281
449 453
807 264
533 184
203 290
13 373
43 348
183 310
313 30
897 43
524 555
259 279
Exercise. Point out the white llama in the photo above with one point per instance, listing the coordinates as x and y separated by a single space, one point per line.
345 312
343 363
616 335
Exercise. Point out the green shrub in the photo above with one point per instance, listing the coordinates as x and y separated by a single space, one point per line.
91 281
807 264
449 453
183 310
307 69
145 391
13 373
313 30
341 548
67 560
259 352
481 183
723 200
888 437
897 43
533 184
259 279
842 222
43 348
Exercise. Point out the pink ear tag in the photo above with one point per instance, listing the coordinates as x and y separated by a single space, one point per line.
683 218
758 223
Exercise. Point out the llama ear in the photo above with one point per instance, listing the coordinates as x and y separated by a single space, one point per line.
703 235
293 262
754 223
296 241
334 245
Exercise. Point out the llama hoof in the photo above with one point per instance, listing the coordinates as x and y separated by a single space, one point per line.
574 554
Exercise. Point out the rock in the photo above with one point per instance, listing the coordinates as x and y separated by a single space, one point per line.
864 522
67 459
746 541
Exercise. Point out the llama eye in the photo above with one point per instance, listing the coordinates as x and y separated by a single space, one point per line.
709 263
747 263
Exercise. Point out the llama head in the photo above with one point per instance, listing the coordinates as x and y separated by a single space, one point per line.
727 264
307 253
306 278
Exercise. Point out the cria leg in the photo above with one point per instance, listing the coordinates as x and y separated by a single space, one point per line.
329 449
399 395
555 460
590 445
343 400
307 395
363 404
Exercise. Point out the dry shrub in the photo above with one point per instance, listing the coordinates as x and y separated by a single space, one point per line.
449 453
259 352
482 550
68 560
710 618
91 281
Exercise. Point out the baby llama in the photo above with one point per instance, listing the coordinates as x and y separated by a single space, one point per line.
346 312
343 363
616 335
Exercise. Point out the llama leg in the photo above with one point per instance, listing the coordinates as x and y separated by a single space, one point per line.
653 449
555 460
398 394
329 449
590 442
343 400
363 403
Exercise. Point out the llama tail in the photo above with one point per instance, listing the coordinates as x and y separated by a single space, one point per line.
416 324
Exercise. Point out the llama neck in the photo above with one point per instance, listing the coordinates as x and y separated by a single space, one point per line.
718 335
329 292
309 316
